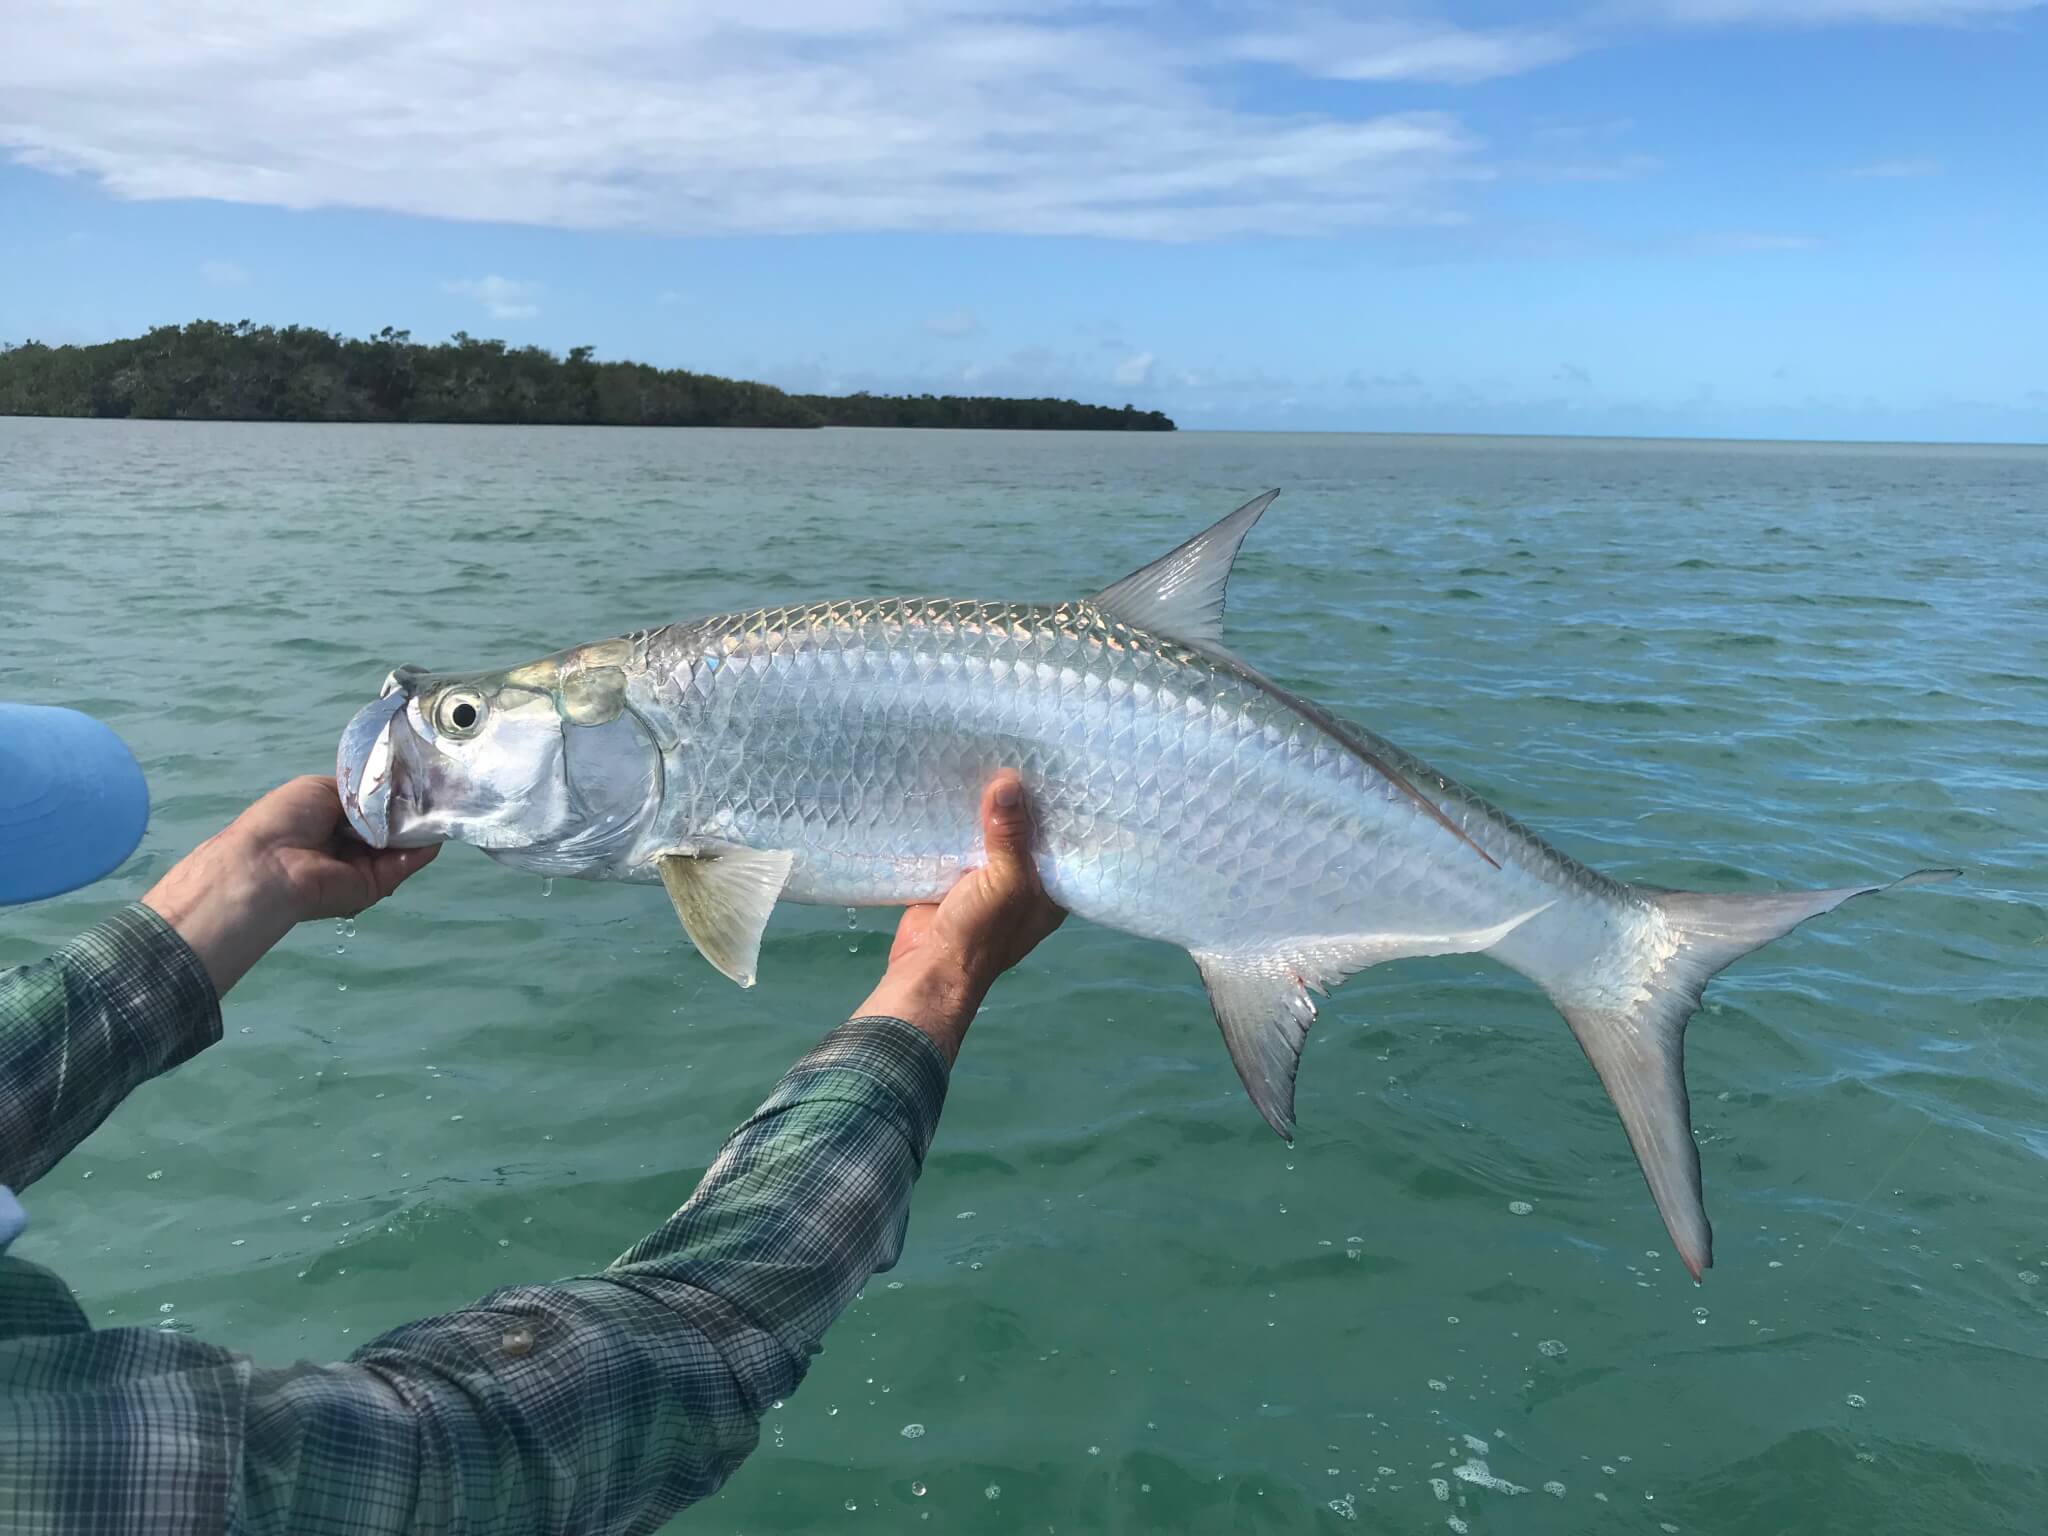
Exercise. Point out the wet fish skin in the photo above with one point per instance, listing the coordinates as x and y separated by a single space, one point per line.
835 753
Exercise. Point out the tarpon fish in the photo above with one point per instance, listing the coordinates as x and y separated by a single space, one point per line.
835 753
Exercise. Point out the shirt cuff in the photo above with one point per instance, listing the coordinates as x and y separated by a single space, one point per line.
888 1053
152 982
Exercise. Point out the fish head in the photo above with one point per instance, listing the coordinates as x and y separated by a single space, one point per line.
546 766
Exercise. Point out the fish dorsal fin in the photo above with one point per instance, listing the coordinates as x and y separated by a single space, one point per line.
723 894
1180 596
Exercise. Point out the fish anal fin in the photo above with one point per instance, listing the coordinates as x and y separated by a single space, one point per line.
1265 1013
1180 595
1262 1004
723 895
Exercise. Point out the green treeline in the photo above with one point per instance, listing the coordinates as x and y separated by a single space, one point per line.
210 371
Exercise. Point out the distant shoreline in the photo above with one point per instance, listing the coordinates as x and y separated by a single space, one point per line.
211 371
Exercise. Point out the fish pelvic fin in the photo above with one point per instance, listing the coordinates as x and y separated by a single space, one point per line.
723 894
1631 1024
1179 596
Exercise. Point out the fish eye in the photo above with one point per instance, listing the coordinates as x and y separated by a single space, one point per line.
459 714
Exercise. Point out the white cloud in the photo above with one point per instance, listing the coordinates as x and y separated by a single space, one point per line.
721 116
503 298
1134 372
1332 47
1911 165
1131 119
222 274
1823 12
953 323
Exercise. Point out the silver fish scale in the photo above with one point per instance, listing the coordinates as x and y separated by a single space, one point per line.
1174 798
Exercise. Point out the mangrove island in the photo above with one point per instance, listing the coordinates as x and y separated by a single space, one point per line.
213 371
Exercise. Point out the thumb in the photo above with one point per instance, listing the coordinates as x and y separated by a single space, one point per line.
1006 828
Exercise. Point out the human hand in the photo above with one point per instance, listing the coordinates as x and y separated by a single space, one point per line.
288 858
947 954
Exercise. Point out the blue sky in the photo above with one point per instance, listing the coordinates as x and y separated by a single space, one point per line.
1801 218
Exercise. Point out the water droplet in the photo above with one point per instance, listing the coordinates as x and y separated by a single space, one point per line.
516 1341
1855 1400
912 1431
1550 1347
852 918
547 885
917 1490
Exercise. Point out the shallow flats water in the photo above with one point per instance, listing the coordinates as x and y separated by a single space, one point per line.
1124 1305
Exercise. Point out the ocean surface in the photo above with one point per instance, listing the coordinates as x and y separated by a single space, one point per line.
1123 1305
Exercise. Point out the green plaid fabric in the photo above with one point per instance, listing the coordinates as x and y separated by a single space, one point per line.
599 1404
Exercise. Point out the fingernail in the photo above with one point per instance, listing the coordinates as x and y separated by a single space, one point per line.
1009 794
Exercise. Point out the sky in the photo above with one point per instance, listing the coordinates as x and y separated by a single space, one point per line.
1747 218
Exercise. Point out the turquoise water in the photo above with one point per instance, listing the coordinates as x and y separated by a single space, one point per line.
1123 1304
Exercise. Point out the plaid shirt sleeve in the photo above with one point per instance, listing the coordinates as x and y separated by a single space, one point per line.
596 1405
113 1008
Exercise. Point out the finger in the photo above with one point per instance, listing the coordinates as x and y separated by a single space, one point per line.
1006 828
392 867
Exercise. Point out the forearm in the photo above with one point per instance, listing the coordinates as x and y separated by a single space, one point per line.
121 1003
227 905
609 1402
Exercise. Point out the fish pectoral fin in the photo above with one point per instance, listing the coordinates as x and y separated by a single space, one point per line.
723 894
1180 596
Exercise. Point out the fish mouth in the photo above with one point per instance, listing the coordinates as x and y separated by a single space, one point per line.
373 773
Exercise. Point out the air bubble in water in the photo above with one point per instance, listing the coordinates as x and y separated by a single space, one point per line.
912 1431
1520 1207
917 1490
1551 1347
992 1492
547 885
852 918
1854 1400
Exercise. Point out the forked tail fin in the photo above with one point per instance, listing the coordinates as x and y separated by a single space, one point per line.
1635 1034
